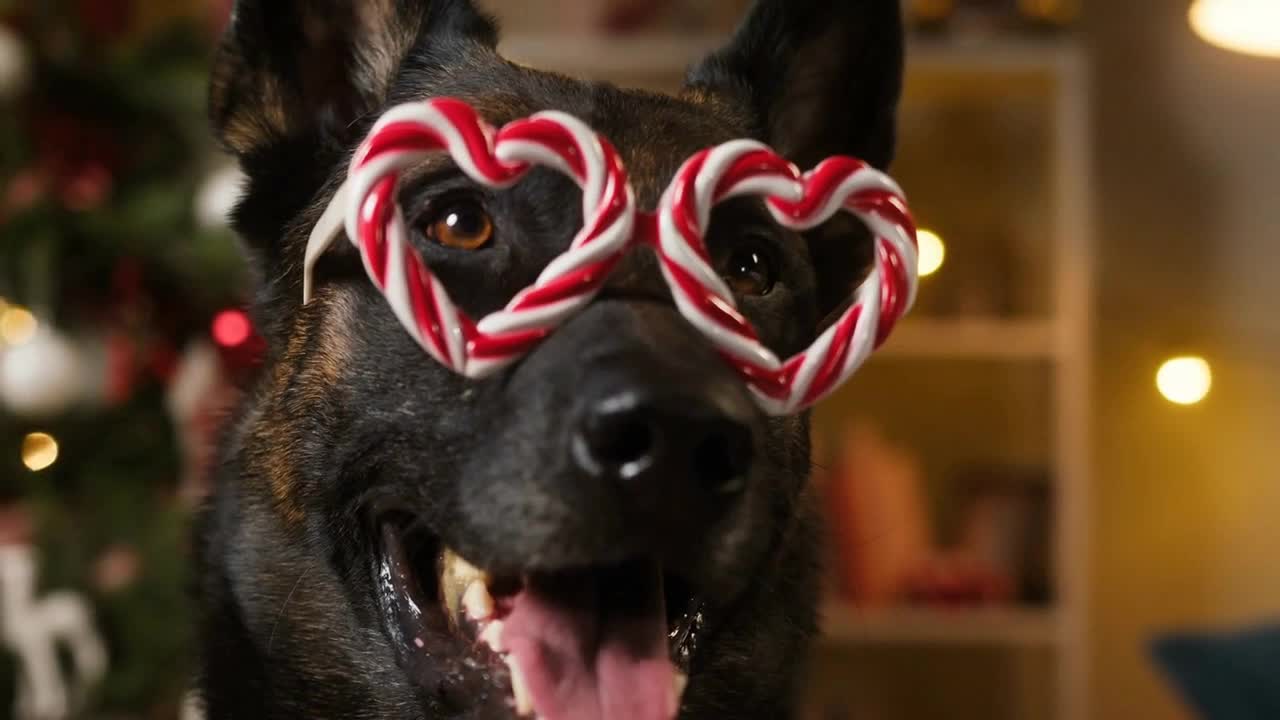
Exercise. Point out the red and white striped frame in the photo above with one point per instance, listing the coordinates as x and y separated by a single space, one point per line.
366 208
800 202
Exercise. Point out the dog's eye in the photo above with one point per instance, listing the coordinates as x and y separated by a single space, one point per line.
461 224
749 270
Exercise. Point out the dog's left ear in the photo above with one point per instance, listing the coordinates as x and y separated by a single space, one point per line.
822 77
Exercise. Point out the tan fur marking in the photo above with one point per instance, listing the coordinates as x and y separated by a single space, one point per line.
304 383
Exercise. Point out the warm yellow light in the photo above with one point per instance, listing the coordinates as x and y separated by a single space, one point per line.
39 451
1184 380
17 325
1247 26
931 252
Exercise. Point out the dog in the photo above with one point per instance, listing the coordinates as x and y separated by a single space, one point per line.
615 480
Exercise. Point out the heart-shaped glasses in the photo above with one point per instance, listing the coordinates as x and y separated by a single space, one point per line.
366 207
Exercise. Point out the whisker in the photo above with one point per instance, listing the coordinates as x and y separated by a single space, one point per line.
272 639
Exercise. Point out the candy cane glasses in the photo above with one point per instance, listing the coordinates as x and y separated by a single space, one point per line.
366 208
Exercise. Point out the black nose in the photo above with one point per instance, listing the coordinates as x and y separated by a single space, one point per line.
661 446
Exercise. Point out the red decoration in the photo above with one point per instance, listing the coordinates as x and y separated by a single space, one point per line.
87 188
75 163
630 16
117 568
15 524
24 190
219 15
232 328
106 19
121 370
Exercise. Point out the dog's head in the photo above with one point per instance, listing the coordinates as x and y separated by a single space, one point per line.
613 498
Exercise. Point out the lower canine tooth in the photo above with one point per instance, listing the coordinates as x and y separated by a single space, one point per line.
456 577
491 635
477 601
678 685
524 702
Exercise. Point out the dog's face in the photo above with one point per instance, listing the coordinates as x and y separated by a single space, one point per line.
390 540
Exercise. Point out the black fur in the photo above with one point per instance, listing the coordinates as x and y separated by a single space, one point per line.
350 416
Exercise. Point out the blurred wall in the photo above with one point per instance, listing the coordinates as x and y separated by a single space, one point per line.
1186 500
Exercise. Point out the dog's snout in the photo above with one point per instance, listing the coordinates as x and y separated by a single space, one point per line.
649 442
618 436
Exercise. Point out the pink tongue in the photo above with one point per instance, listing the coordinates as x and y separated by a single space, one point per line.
585 656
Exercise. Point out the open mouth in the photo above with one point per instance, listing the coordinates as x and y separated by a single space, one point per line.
607 643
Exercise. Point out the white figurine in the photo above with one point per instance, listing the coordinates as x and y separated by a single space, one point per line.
33 627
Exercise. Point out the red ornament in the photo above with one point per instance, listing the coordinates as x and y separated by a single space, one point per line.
625 17
232 328
76 159
219 15
16 527
87 188
25 190
122 368
117 568
106 19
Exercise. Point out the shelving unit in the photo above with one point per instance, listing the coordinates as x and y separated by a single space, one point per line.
606 57
998 627
976 338
1051 334
609 57
1056 338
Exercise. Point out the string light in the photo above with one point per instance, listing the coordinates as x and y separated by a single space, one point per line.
1247 26
39 451
1184 380
931 252
231 328
17 325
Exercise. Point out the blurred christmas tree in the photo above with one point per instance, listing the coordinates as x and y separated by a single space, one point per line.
114 266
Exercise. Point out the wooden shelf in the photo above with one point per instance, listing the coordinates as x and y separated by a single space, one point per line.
605 56
845 625
600 56
992 55
972 338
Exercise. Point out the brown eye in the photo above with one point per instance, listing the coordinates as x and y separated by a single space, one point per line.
749 271
461 224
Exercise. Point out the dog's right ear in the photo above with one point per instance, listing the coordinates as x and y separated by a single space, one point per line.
820 77
293 68
294 83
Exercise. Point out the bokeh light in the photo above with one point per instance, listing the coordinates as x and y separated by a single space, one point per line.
1246 26
1184 380
39 451
931 252
231 328
17 325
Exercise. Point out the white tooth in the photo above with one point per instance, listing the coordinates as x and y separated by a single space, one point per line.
456 577
524 701
491 635
678 685
459 570
477 601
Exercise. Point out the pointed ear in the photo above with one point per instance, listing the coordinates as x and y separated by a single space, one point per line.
291 83
288 68
822 77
